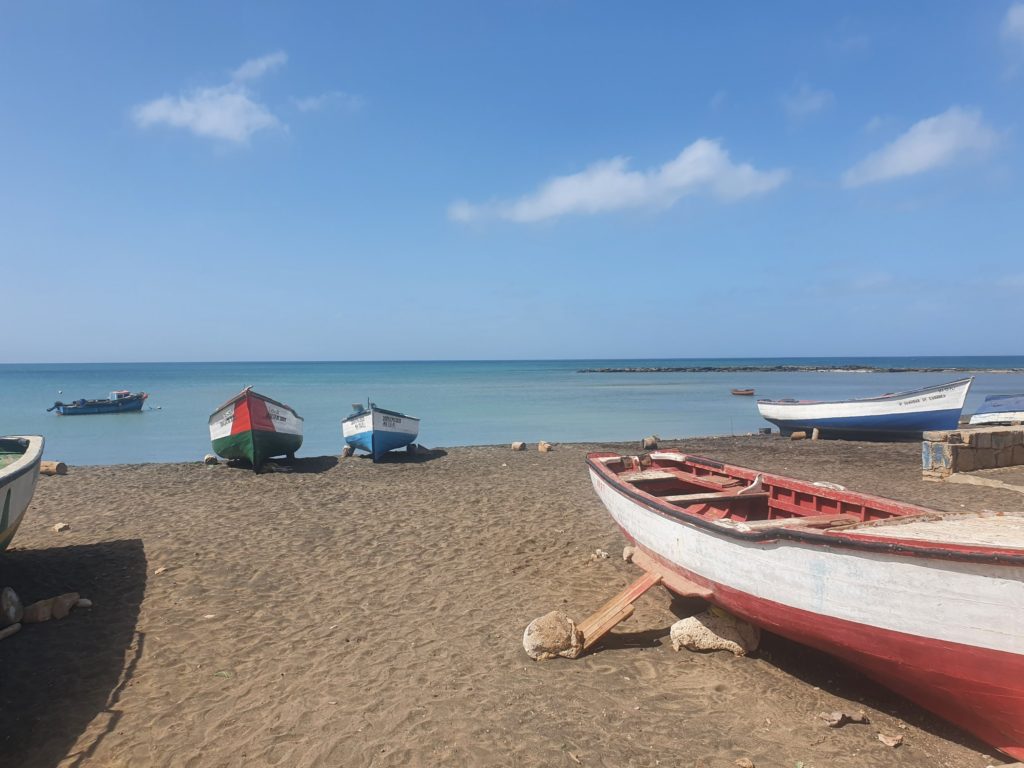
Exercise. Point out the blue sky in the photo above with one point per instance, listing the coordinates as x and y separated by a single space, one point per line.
257 181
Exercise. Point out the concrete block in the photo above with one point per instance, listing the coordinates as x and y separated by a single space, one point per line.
1018 455
963 459
1002 439
926 455
936 436
981 439
1004 456
984 458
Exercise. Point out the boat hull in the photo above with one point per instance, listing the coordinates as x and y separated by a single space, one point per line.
17 485
1000 409
946 634
377 431
254 428
125 405
902 415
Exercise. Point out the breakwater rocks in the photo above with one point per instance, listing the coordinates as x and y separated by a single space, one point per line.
795 369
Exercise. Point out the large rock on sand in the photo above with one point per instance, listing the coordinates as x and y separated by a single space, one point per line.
553 634
715 630
11 609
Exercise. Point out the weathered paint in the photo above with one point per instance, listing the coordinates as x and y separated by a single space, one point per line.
939 622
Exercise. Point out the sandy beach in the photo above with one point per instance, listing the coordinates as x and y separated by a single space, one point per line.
352 614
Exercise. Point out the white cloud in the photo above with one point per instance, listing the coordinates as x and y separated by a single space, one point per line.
609 185
931 143
1013 23
346 101
254 69
806 101
229 112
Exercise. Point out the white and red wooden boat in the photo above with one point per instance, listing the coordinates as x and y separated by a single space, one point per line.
930 604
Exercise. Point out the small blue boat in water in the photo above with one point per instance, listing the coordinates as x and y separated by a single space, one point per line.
120 401
377 430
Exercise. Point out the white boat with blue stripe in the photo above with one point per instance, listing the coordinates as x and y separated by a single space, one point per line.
377 430
897 415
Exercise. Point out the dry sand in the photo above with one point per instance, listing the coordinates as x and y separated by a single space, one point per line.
351 614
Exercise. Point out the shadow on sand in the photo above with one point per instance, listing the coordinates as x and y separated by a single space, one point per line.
404 457
59 676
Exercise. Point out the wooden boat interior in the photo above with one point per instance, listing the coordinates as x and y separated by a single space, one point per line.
11 451
746 500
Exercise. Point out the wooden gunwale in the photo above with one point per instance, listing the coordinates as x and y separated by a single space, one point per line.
891 545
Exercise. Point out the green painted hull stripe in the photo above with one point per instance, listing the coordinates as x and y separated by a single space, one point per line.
256 447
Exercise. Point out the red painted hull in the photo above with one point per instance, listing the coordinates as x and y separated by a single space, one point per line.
979 689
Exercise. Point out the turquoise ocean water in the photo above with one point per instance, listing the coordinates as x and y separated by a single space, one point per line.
460 403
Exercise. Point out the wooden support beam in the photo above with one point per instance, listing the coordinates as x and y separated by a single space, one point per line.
615 610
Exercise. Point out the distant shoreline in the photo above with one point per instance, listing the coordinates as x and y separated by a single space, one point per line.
795 369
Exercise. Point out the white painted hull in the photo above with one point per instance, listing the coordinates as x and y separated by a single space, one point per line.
931 408
17 486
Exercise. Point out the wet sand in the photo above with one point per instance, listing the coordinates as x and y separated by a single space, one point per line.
351 614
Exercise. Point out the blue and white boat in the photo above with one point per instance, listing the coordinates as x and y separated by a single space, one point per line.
120 401
1000 409
898 415
377 430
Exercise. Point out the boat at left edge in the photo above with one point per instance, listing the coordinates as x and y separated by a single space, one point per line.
19 470
254 427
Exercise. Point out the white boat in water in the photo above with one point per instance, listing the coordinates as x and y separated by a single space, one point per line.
19 471
900 414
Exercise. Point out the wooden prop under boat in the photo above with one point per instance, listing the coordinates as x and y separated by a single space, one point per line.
19 470
120 401
927 603
253 427
902 414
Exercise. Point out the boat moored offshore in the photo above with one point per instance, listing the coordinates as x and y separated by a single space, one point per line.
120 401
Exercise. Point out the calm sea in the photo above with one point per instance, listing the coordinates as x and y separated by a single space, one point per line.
460 403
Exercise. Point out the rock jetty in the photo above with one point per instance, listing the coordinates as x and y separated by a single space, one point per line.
794 369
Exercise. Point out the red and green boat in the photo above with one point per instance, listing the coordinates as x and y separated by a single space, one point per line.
253 427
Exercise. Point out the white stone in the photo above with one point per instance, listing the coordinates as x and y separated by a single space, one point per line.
715 630
554 634
61 527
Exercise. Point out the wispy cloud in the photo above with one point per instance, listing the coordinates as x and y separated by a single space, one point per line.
609 185
347 101
928 144
1013 23
1013 282
806 100
229 112
254 69
718 101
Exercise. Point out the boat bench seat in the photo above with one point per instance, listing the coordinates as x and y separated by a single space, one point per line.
648 474
695 498
802 521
